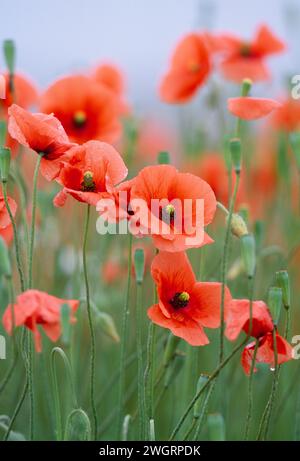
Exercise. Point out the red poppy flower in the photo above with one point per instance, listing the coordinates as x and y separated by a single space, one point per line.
265 352
238 319
287 117
41 133
190 66
170 211
86 109
246 59
4 216
35 308
92 171
252 108
185 306
110 76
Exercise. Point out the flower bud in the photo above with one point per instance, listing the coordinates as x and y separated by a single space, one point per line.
78 426
3 130
216 427
170 349
4 163
275 302
107 325
163 158
248 254
236 154
139 265
199 403
246 87
283 281
238 226
9 55
5 266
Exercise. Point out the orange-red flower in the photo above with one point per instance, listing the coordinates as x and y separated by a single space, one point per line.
86 109
4 216
248 108
42 133
91 172
246 59
25 93
171 211
287 117
185 306
35 308
189 68
238 319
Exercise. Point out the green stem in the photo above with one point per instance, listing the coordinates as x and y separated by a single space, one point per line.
139 345
250 392
124 338
16 238
33 213
91 326
224 265
16 412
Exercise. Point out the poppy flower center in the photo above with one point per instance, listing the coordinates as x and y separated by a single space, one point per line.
245 49
193 66
88 184
180 299
167 213
79 118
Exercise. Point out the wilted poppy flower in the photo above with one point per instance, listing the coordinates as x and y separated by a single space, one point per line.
4 216
189 68
86 109
42 133
248 108
246 59
238 319
172 207
35 308
185 306
92 171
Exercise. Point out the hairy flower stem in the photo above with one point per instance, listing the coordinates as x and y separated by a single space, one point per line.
250 393
91 326
124 339
224 265
139 350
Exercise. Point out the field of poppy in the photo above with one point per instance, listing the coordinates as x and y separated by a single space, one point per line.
149 277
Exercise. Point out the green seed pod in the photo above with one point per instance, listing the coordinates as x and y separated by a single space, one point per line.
78 426
275 303
216 427
283 281
198 405
3 131
163 158
5 266
4 163
9 55
139 265
248 254
170 349
236 154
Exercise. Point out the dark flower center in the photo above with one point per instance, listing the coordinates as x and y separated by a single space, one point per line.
88 184
79 118
245 49
180 299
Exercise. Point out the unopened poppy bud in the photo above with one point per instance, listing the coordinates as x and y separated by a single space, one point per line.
236 154
4 163
3 130
246 87
139 265
173 371
275 303
78 426
248 254
283 281
295 143
163 158
199 403
216 427
170 349
235 270
5 266
107 325
238 226
9 55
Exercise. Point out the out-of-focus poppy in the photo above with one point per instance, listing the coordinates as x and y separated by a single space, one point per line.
4 216
42 133
246 59
287 117
185 306
189 68
238 319
171 213
248 108
24 94
86 109
111 77
91 172
33 308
